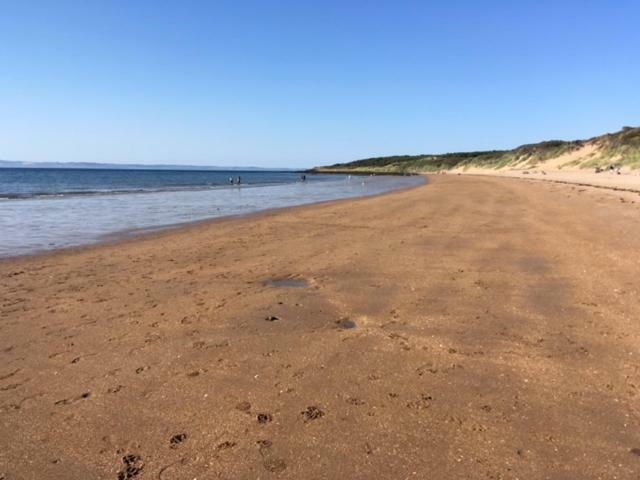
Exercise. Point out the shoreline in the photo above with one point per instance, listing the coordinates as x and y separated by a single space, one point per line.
124 236
473 326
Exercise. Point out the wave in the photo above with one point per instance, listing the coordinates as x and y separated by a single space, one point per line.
126 191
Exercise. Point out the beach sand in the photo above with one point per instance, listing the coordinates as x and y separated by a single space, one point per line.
472 328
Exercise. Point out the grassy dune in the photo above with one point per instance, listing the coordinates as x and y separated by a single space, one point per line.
621 148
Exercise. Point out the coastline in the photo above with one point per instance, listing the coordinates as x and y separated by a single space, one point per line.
124 236
37 225
491 318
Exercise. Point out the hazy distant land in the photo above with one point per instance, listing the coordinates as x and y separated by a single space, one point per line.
130 166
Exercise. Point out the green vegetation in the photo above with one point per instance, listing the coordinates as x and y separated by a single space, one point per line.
622 148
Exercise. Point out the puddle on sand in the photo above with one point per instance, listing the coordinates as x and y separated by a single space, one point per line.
287 283
346 324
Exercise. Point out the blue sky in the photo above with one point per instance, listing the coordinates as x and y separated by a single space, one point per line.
297 83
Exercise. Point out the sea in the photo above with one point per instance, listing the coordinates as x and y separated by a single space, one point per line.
43 209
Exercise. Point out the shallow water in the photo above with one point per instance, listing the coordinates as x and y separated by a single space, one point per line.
44 223
287 283
346 324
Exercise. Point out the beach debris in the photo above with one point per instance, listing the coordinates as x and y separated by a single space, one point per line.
133 466
272 318
264 418
177 439
635 451
312 413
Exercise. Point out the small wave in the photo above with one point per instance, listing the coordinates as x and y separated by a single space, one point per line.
171 188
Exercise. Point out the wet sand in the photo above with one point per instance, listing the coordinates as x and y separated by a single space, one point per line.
475 327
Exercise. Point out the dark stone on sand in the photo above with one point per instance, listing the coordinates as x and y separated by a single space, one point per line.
272 318
635 451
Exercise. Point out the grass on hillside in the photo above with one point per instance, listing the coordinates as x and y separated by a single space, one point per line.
622 148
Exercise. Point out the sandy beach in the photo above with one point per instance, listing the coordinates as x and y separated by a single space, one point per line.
472 328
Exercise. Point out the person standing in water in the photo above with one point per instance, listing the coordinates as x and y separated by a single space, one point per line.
239 180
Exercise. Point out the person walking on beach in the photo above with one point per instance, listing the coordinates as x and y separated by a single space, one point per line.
239 179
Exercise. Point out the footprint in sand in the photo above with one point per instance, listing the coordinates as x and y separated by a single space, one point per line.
312 413
264 418
274 465
133 466
177 440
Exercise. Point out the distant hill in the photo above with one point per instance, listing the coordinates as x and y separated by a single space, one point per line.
620 148
115 166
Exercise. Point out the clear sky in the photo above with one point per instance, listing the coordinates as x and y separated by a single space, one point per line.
303 83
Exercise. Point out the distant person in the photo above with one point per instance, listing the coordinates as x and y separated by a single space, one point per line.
239 180
303 177
231 180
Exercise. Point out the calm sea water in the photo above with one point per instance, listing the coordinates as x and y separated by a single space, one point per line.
44 209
